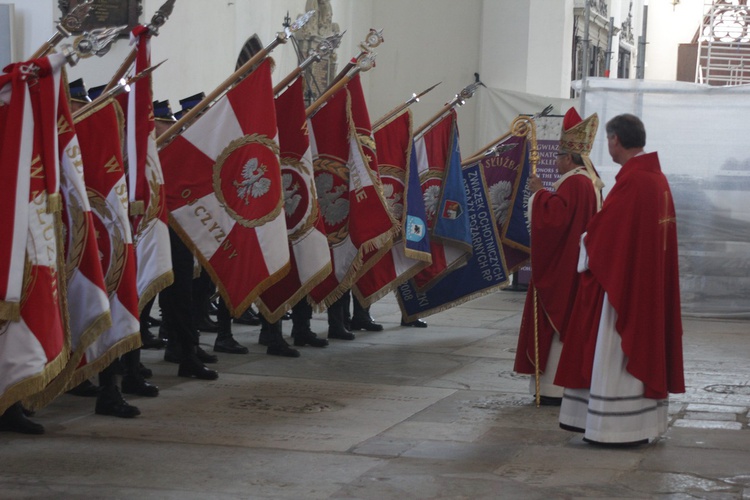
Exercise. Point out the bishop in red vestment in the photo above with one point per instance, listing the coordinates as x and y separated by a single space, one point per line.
558 219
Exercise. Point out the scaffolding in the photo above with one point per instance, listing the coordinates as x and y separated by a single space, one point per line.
724 44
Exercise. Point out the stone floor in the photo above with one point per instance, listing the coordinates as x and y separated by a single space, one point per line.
404 413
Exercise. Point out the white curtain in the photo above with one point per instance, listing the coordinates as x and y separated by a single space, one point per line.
701 135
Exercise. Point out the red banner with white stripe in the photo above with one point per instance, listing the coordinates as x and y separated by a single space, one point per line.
148 206
356 217
308 243
224 191
34 348
99 132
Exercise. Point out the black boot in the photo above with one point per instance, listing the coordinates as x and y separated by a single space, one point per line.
132 380
225 340
277 345
264 338
336 328
148 339
301 332
361 320
191 366
111 403
14 420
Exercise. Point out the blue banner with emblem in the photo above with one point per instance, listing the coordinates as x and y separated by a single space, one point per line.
416 239
484 272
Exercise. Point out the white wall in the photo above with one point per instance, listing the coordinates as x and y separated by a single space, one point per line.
668 26
34 25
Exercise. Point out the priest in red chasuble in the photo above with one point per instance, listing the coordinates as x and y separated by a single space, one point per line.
623 350
558 219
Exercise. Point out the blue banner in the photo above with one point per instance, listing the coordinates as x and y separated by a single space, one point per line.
451 220
485 271
416 239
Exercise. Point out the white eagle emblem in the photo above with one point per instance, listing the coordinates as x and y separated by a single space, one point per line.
253 183
334 208
291 198
393 200
500 194
431 201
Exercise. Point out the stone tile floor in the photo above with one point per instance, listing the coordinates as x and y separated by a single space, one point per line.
403 413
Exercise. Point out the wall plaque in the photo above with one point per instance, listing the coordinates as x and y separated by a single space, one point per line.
107 14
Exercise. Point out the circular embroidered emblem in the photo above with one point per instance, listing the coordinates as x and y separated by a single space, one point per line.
243 180
296 197
431 182
109 238
332 185
393 190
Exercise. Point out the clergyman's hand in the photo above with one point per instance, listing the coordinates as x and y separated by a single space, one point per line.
535 184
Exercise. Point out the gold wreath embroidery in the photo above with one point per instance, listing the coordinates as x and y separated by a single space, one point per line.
234 145
112 275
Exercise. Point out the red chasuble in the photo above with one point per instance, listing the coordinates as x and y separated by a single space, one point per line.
558 219
632 248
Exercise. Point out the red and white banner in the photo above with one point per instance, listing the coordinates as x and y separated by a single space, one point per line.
88 305
394 144
17 139
99 136
356 217
148 204
308 243
34 349
224 191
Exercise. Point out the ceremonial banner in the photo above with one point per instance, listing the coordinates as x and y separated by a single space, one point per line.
16 137
99 133
148 204
439 160
35 347
224 191
397 165
356 217
507 174
308 243
483 273
88 304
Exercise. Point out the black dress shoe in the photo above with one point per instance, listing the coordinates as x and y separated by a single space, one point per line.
138 386
85 389
111 403
417 323
340 334
206 324
144 372
282 350
248 318
287 316
192 367
366 324
308 338
151 341
229 345
14 420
